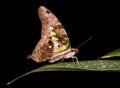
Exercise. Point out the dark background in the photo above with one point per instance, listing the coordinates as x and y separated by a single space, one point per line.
21 30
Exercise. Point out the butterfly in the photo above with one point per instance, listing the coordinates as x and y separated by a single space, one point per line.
54 44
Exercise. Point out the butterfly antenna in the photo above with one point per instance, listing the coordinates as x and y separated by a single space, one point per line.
85 42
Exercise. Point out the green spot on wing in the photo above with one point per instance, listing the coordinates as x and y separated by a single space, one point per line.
51 27
64 47
67 45
55 38
53 33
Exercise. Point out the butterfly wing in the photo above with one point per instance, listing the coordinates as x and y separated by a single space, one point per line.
53 30
54 38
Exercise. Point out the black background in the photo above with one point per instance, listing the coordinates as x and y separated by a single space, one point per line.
21 31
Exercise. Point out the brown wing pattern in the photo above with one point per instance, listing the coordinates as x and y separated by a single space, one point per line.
53 29
54 38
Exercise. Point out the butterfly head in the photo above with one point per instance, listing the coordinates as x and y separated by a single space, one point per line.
75 50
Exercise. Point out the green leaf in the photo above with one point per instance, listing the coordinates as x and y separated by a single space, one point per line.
115 53
93 65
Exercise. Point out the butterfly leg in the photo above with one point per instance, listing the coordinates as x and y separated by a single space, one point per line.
60 61
74 57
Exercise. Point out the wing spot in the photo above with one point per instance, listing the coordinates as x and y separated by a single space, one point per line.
58 45
63 41
50 46
65 38
51 28
55 38
48 12
49 42
45 36
53 33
